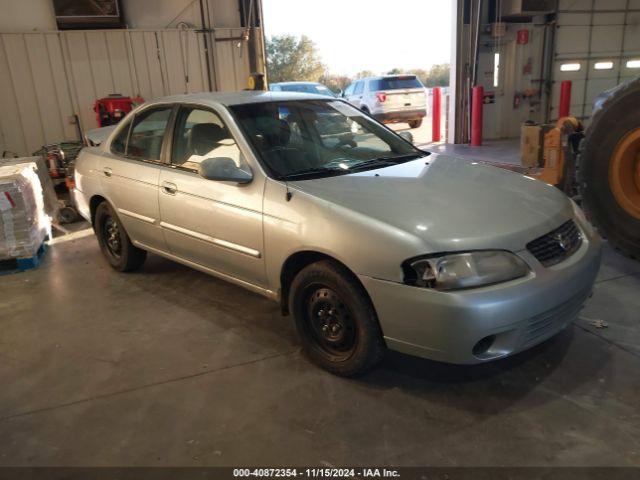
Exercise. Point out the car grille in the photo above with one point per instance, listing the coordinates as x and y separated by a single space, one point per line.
547 323
557 245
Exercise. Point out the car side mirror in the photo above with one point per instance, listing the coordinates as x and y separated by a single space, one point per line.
408 136
223 169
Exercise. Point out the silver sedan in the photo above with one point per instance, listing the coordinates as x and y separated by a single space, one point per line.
365 240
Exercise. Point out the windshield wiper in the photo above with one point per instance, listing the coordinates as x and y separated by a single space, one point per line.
388 160
312 171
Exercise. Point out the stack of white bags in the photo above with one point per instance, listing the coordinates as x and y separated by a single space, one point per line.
24 225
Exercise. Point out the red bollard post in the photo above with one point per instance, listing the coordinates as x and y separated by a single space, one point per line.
477 98
565 99
436 115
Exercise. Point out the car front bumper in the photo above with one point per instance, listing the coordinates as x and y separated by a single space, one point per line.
400 115
517 315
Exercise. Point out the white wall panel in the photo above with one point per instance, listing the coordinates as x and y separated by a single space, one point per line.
46 78
24 90
118 54
232 65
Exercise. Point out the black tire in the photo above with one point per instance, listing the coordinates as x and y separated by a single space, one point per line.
114 242
335 319
365 109
615 116
415 123
68 215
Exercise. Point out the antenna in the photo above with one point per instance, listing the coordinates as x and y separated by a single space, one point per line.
289 194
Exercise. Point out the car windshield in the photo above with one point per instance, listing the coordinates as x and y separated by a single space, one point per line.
315 138
307 88
397 83
322 90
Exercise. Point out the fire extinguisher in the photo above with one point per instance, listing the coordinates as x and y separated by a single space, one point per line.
522 36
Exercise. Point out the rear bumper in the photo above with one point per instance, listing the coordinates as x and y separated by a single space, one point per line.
400 116
517 315
81 203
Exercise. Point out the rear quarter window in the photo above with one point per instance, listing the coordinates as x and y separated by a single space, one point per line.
119 144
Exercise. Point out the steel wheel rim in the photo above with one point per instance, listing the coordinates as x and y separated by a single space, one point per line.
111 235
329 322
624 173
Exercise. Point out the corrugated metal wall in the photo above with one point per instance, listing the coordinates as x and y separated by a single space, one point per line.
506 115
588 32
47 78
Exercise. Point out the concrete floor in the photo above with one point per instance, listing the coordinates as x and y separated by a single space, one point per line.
168 366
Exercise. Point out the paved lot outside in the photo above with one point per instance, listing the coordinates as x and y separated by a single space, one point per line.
421 134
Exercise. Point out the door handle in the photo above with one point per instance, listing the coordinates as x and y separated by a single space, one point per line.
107 171
169 188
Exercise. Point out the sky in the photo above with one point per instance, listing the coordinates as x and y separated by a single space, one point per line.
376 35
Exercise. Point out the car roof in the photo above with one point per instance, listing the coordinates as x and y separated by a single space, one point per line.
391 75
235 98
296 83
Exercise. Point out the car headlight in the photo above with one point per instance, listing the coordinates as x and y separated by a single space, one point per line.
454 271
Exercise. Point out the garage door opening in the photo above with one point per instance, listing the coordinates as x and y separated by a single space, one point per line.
387 61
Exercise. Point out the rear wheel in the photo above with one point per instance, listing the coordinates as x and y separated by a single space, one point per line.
609 168
415 123
335 320
114 241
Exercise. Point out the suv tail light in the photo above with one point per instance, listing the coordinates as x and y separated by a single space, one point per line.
381 96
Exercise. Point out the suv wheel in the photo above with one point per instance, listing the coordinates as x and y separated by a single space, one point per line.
415 123
114 241
336 322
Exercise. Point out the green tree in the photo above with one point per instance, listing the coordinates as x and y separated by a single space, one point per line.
364 74
437 76
335 82
293 59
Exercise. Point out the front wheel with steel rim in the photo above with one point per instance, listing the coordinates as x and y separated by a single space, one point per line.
335 320
114 241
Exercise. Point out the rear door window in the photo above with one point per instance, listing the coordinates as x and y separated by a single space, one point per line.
349 90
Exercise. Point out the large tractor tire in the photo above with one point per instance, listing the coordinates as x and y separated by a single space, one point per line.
609 167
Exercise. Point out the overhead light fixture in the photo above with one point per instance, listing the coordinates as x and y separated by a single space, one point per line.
603 65
569 67
633 63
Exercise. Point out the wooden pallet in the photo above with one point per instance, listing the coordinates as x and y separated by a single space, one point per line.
15 265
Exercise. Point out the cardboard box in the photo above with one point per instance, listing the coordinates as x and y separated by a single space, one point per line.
24 224
531 145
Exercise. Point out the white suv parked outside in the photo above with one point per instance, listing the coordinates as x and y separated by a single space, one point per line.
390 98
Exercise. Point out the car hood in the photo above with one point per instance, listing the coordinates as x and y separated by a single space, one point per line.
451 203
